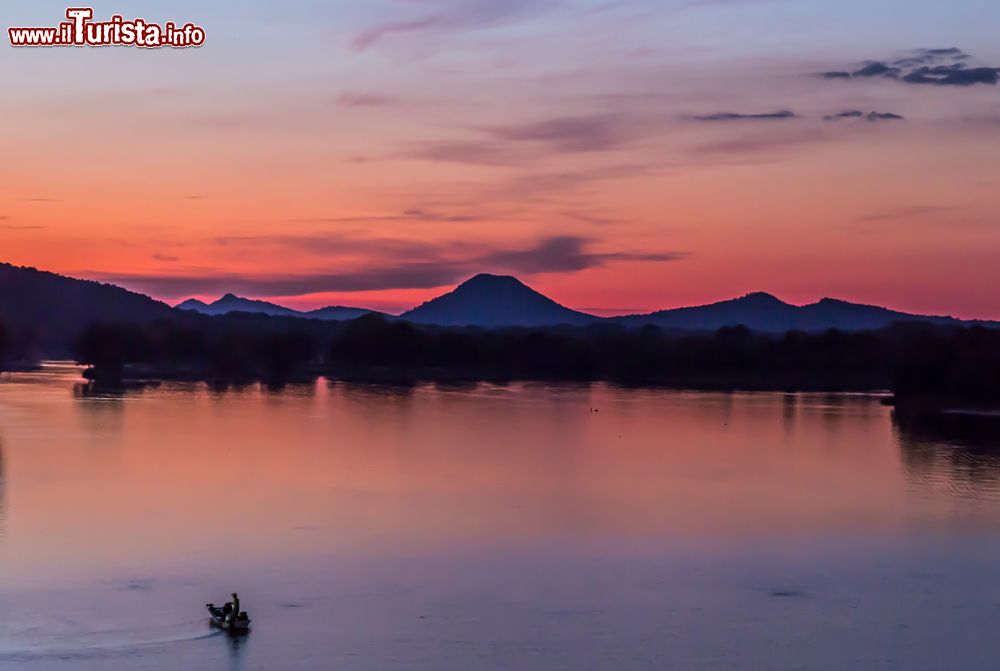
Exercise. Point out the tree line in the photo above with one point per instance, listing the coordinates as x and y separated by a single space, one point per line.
4 345
918 361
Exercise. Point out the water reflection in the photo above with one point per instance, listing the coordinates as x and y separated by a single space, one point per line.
3 494
959 454
100 411
237 647
523 526
789 412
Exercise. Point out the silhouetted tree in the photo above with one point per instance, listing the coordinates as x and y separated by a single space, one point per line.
109 347
373 340
229 349
4 344
282 354
932 363
939 366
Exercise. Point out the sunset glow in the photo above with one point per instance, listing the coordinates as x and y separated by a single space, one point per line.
620 157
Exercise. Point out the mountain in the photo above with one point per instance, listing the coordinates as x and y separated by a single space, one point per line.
195 305
45 312
231 303
764 312
49 309
493 301
502 301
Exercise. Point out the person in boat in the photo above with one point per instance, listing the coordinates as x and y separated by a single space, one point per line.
234 607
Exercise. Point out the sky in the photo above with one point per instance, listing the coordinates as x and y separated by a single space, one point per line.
618 155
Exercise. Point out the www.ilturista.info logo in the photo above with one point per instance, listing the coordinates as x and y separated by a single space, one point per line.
80 30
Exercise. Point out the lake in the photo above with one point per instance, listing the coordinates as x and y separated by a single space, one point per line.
535 527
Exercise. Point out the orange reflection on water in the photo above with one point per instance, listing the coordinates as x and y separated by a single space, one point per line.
170 477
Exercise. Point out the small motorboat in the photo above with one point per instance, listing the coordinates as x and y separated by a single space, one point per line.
223 619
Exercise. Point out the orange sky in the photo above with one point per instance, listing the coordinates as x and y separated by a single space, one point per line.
354 158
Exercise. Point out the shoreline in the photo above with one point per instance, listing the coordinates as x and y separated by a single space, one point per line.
410 376
138 378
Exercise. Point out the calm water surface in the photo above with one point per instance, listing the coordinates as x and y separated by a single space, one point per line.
484 528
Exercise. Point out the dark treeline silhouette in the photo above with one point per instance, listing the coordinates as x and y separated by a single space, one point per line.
236 348
729 358
4 345
918 361
958 367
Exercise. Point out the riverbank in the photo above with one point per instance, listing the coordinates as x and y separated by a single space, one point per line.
140 376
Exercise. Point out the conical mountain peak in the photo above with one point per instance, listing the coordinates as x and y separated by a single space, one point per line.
495 301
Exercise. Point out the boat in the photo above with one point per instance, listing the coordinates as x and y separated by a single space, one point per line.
224 620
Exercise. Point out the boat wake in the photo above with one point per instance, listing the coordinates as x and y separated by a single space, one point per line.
37 644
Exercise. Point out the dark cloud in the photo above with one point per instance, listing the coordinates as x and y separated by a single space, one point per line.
847 114
539 186
418 214
593 219
693 4
908 217
631 5
475 152
411 214
377 32
884 116
365 99
755 149
564 254
446 16
938 67
166 258
328 244
858 114
438 266
910 212
16 227
419 275
572 134
526 143
876 69
953 75
920 57
732 116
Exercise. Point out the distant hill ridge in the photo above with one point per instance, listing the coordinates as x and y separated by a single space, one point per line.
53 308
763 312
231 303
